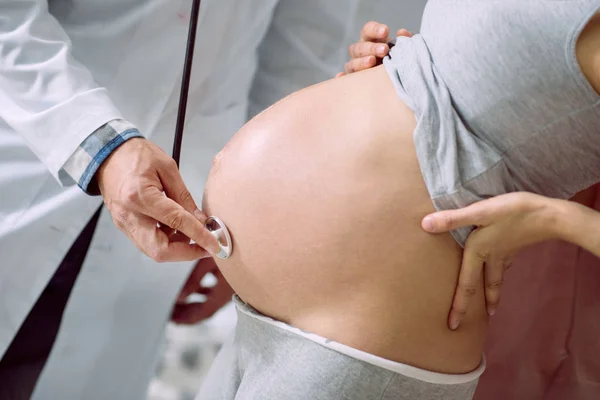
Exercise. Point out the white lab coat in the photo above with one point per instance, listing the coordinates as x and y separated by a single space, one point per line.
68 68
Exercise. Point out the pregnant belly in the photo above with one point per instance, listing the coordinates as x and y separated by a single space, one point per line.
323 196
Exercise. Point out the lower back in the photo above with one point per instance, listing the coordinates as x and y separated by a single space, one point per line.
323 196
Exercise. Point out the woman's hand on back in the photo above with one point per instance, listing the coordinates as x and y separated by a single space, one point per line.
371 48
505 224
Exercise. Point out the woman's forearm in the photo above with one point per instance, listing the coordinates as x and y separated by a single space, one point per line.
576 224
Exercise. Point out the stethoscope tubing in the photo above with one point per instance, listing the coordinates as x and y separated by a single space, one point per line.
221 233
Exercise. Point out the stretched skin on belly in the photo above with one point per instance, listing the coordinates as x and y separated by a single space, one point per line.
323 196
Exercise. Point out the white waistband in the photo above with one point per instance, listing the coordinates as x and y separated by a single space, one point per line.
403 369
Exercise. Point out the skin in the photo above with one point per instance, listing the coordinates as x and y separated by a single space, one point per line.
328 236
364 54
588 51
498 230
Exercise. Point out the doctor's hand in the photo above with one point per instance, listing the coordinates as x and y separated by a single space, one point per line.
505 224
371 48
133 181
216 295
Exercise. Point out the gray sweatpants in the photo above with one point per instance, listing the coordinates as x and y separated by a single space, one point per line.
266 359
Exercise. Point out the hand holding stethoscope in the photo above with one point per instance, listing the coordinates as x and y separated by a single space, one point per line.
148 200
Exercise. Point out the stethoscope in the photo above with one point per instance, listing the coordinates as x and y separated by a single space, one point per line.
214 224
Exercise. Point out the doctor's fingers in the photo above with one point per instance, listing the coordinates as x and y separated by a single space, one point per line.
153 242
175 188
170 213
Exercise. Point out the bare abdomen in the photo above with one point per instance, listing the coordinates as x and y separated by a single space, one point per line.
323 196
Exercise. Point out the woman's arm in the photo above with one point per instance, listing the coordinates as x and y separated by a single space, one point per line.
577 224
506 224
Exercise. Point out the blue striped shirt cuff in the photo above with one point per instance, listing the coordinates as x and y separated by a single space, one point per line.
94 150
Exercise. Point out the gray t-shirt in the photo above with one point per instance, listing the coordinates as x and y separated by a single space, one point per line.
500 100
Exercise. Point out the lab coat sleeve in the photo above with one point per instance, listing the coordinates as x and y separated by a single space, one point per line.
306 43
81 167
45 95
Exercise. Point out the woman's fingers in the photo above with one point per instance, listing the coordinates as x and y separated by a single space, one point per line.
494 277
359 64
478 214
404 32
469 281
364 49
505 224
374 32
371 48
482 213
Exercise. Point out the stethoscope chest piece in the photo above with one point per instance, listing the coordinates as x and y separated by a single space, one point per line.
218 229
